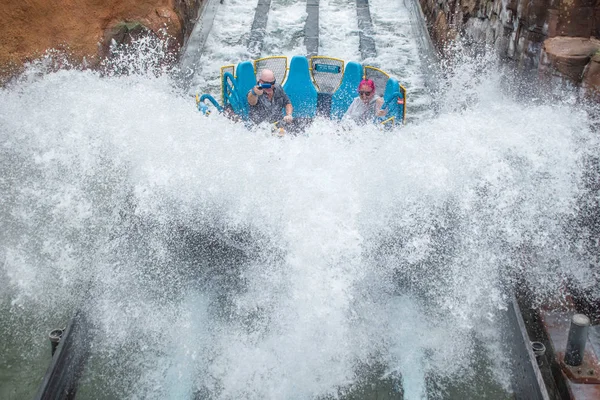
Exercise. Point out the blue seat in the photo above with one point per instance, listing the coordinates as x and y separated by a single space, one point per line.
345 94
391 96
300 89
245 80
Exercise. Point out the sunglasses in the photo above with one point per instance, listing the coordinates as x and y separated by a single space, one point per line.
266 85
364 93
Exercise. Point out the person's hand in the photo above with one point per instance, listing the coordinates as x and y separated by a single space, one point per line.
258 90
288 118
381 113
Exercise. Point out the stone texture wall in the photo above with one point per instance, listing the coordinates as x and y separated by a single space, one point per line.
85 27
558 37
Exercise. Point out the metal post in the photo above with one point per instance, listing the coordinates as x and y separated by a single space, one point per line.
538 348
578 334
54 337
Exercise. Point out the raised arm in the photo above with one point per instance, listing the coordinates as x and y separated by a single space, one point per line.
253 94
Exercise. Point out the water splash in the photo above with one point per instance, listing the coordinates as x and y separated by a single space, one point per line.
226 263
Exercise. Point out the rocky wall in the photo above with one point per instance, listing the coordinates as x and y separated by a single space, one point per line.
556 37
85 28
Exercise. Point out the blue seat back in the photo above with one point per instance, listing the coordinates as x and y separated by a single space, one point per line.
393 93
300 89
246 80
348 90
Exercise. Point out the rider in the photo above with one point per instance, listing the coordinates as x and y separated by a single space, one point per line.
267 100
367 105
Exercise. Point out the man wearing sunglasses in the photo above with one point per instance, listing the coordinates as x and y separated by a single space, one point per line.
367 105
267 100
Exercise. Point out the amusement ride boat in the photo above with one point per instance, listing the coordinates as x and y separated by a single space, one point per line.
318 86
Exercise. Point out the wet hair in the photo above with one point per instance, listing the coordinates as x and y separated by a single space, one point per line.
367 82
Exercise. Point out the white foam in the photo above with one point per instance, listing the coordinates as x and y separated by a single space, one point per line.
361 244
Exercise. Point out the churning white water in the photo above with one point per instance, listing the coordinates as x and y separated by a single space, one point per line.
223 263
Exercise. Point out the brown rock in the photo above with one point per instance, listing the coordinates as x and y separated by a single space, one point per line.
578 3
575 21
568 55
441 32
537 13
440 28
468 7
591 76
29 27
122 33
512 5
552 23
596 31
